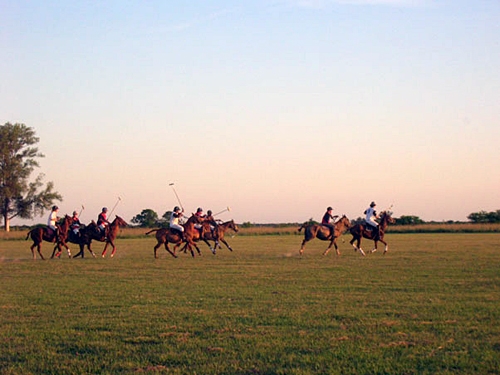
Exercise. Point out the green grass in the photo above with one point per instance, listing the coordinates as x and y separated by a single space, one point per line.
430 306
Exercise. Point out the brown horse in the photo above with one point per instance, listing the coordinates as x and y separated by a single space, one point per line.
324 233
164 236
218 236
91 232
42 233
361 230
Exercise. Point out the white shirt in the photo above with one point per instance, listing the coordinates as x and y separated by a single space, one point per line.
51 222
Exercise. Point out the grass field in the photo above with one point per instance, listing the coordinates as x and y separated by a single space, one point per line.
430 306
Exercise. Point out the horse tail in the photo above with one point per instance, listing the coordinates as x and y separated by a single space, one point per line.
153 230
28 235
302 227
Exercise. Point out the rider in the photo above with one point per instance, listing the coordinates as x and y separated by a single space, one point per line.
75 224
329 219
199 213
102 222
52 222
213 225
371 215
174 220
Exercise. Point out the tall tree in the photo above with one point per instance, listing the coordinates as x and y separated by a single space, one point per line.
18 196
146 219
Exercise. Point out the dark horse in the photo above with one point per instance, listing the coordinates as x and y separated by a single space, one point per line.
361 230
205 234
166 235
92 232
42 233
82 239
324 233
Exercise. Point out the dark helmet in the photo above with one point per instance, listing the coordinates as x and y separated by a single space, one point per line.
373 204
199 209
209 212
75 213
104 209
329 209
176 208
54 208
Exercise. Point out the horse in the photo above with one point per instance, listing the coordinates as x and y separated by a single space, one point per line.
219 235
324 233
164 236
82 239
42 233
361 230
91 232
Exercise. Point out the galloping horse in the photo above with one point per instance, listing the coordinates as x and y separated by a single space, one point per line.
219 237
360 230
41 233
323 233
91 232
205 234
166 235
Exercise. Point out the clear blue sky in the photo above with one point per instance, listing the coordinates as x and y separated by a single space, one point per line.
277 109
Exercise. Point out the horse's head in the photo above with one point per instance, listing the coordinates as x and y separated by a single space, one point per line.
120 222
66 221
385 216
344 221
232 225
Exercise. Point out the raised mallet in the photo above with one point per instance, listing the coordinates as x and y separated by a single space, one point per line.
116 204
178 199
224 210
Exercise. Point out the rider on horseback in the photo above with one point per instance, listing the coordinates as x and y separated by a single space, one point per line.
175 220
52 223
371 215
75 225
209 219
329 219
102 222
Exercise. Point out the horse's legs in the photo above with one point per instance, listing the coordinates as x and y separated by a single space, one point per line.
374 246
114 249
332 242
157 246
336 247
225 243
67 249
39 249
386 246
197 248
88 247
80 253
358 244
210 247
54 252
302 247
168 249
104 250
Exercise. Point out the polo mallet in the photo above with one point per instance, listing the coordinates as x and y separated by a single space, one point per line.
226 209
83 208
116 204
178 200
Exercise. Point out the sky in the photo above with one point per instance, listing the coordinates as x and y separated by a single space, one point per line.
273 108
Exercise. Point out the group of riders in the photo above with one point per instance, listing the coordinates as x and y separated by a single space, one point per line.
101 227
176 220
370 219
